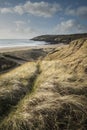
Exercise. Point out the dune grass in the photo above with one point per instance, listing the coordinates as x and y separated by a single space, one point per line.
55 104
49 95
15 84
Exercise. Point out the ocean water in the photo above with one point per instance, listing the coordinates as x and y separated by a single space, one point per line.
19 43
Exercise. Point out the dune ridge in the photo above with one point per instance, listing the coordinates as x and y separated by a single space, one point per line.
47 94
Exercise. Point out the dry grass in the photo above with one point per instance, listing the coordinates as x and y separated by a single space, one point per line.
59 99
15 84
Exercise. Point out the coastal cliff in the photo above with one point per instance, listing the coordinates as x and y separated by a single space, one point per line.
55 39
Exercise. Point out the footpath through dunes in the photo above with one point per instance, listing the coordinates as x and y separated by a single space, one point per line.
59 98
15 84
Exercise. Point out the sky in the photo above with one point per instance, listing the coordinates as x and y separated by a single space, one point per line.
29 18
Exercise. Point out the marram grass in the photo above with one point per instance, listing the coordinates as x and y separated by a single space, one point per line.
47 95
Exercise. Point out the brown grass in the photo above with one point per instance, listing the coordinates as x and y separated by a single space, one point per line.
58 100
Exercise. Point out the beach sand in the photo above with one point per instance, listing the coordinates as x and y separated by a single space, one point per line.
12 49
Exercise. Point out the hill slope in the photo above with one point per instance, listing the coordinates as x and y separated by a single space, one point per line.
47 95
56 39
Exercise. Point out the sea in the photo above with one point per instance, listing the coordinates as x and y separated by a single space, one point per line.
19 43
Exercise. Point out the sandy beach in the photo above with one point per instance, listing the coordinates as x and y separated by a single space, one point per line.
12 49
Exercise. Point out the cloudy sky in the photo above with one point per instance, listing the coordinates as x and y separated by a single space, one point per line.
29 18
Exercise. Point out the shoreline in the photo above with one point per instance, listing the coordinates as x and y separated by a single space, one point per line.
20 48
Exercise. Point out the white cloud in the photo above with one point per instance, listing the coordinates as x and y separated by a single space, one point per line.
70 26
19 9
42 8
5 10
80 11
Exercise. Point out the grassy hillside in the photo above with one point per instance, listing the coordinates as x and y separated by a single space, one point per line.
47 95
56 39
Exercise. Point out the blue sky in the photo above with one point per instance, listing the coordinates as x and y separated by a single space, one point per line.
29 18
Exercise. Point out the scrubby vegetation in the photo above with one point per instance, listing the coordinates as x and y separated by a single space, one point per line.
50 94
57 39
